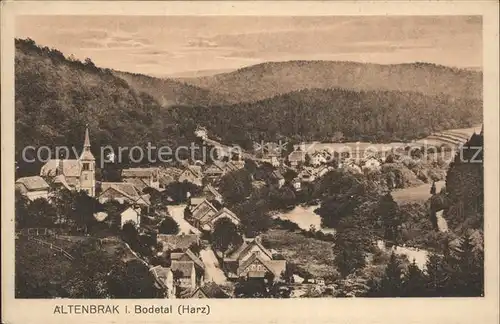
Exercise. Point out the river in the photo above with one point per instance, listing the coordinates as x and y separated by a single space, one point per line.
305 217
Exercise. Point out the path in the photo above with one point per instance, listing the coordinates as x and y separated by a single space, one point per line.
415 194
177 213
441 222
212 269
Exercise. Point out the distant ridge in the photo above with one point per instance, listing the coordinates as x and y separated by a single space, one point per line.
269 79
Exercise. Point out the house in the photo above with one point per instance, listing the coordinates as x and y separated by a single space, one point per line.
184 273
317 158
322 170
252 260
215 170
210 193
209 290
371 164
307 174
122 192
177 242
192 174
207 222
164 280
148 177
204 210
188 255
130 215
33 187
297 184
296 157
77 174
277 179
201 132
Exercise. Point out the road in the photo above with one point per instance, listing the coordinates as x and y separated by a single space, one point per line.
177 213
212 269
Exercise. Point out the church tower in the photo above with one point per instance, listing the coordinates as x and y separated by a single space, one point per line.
87 162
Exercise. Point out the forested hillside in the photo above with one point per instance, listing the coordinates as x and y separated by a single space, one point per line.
56 96
274 78
169 92
316 114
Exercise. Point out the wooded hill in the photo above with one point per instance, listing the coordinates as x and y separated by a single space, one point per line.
57 95
316 114
269 79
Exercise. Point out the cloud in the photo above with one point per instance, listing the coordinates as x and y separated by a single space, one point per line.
203 43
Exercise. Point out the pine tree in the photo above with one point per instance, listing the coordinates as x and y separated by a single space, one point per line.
468 277
437 278
391 283
413 281
387 211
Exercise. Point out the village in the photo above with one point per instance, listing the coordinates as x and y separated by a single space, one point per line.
197 265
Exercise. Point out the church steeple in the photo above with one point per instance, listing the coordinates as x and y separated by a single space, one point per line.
86 153
87 172
86 143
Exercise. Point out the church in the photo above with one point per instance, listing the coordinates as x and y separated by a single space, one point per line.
74 174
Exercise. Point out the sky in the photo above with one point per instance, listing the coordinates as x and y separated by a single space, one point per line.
178 45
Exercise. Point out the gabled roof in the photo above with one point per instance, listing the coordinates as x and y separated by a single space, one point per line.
297 156
209 188
61 179
182 242
217 165
178 255
138 183
224 211
166 179
70 168
186 268
33 183
161 274
277 175
127 189
211 290
138 172
199 211
246 247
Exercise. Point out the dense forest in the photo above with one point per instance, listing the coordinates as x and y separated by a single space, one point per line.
316 114
269 79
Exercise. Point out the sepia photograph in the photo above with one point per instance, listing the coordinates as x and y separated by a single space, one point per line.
248 157
242 162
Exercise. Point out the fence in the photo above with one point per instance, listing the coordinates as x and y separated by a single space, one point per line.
52 247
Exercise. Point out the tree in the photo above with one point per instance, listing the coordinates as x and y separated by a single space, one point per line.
168 226
41 213
348 251
21 210
413 282
437 277
250 288
236 186
225 235
388 213
85 207
131 280
433 188
391 283
468 277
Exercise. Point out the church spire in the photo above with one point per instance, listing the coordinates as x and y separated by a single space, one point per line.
86 153
86 143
